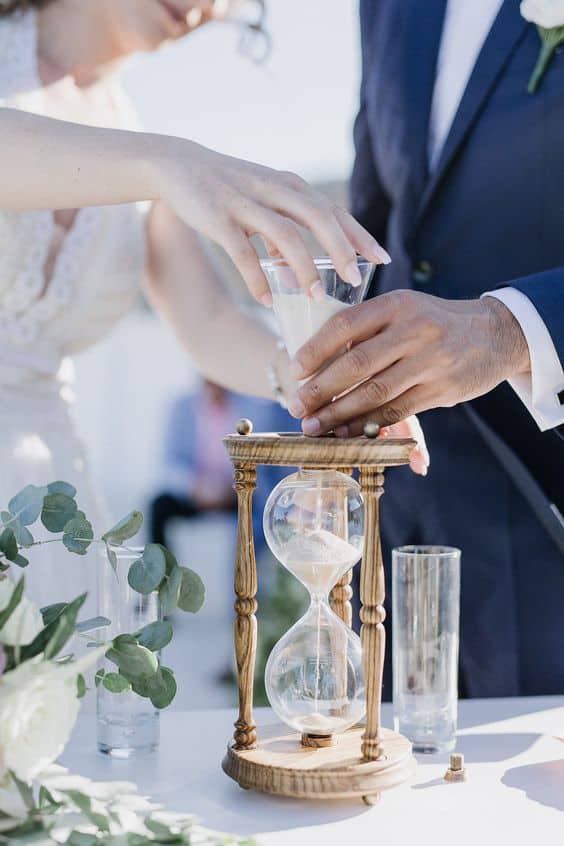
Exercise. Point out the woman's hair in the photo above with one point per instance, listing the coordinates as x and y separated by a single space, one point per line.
9 6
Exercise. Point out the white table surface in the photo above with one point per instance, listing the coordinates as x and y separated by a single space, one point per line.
514 793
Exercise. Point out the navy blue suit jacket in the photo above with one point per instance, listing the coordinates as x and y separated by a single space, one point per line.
492 213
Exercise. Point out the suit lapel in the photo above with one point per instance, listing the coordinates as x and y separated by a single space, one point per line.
507 31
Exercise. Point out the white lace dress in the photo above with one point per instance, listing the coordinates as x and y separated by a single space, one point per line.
53 303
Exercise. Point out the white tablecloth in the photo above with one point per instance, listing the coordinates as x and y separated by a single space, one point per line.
514 793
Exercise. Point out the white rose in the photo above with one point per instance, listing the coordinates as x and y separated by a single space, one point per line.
38 710
24 623
545 13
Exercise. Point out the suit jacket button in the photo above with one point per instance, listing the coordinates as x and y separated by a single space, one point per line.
422 272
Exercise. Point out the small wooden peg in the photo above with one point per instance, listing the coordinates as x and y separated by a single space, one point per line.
244 426
371 430
456 771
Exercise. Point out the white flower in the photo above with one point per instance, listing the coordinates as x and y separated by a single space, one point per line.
545 13
24 623
38 710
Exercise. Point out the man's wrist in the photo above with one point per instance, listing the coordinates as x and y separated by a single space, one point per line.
508 339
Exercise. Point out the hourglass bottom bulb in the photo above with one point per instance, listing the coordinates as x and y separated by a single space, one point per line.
314 678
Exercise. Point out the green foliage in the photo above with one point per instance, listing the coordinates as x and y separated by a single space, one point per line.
58 510
155 636
78 534
15 600
27 504
155 571
9 544
81 686
134 661
124 529
116 683
146 574
53 637
192 591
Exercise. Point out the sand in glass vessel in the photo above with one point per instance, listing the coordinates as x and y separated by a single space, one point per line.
313 523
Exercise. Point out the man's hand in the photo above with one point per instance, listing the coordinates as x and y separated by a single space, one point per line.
406 352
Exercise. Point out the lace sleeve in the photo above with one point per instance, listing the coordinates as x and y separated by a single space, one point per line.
18 55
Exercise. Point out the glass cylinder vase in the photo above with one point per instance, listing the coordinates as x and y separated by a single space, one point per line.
127 724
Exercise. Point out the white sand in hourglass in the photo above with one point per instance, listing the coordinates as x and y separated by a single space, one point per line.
318 558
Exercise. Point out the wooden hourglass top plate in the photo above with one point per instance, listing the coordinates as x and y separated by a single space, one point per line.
294 450
281 765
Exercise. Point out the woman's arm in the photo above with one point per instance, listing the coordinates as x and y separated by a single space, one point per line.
230 345
51 164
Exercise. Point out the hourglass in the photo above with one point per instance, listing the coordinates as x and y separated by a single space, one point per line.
321 678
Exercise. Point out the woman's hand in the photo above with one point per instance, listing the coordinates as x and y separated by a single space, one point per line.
229 200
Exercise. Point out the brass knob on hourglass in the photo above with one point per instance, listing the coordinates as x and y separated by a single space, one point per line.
244 426
371 430
456 771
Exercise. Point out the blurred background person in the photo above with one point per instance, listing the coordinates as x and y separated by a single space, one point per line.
199 475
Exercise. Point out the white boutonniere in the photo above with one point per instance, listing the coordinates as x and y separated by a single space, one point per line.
548 15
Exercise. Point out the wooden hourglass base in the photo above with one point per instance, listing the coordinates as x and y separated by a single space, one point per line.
281 765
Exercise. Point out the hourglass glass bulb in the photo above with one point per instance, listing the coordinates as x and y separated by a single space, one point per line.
314 524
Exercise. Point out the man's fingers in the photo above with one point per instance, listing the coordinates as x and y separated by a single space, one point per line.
369 396
419 460
349 326
353 367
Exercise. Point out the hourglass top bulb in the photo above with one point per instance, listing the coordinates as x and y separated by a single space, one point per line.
313 523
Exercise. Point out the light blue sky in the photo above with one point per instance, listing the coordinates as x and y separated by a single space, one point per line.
295 112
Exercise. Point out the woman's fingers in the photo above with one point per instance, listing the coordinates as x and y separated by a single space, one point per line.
362 241
243 255
409 428
283 234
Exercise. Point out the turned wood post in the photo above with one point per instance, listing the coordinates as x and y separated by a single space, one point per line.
372 613
245 478
341 594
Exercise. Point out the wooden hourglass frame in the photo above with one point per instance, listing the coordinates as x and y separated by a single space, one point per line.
366 759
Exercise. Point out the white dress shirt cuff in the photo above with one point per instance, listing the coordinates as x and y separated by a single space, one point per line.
538 389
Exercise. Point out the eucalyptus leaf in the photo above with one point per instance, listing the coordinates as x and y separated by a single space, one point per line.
81 687
54 636
169 591
15 599
22 533
116 683
58 509
155 635
163 832
162 688
27 504
47 800
20 561
126 528
78 535
112 558
92 624
81 838
192 591
99 676
62 488
51 612
146 574
8 544
134 661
